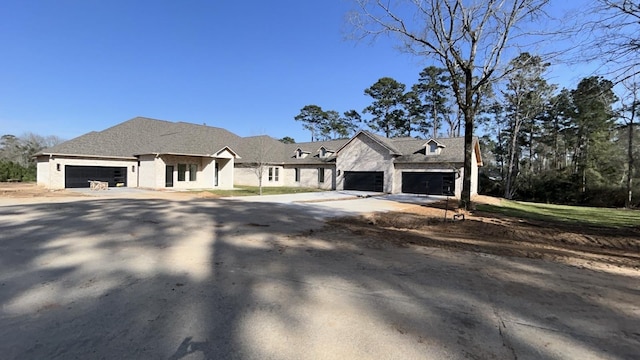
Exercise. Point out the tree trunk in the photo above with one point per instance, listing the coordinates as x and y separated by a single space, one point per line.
531 151
508 188
508 184
584 161
458 125
501 161
434 114
628 202
465 198
556 156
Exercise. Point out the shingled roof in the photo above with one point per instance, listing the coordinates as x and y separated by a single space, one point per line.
413 150
140 136
268 149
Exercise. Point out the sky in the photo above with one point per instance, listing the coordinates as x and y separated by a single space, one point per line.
68 67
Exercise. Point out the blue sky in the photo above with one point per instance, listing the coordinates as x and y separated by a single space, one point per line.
70 67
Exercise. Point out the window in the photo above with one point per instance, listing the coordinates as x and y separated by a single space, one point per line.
58 167
320 175
324 153
182 171
433 148
300 154
297 174
133 168
274 174
193 170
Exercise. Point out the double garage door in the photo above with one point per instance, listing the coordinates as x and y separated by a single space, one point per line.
428 183
79 176
364 180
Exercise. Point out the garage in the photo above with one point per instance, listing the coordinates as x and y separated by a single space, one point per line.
364 180
428 183
79 176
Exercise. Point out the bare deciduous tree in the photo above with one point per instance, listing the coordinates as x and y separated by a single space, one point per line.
467 37
630 105
614 38
261 151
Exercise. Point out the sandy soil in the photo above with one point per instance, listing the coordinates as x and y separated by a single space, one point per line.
30 190
495 234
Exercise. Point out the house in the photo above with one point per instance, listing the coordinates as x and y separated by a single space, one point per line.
158 154
144 153
405 165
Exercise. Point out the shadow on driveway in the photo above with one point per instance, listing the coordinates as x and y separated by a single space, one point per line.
225 279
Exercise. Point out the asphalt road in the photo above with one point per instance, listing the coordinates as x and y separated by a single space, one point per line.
119 278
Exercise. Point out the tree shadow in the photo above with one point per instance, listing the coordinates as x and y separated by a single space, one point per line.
118 278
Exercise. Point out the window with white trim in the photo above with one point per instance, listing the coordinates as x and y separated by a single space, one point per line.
274 174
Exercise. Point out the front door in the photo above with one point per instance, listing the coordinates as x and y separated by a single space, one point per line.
169 176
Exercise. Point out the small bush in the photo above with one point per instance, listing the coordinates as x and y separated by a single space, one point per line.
16 172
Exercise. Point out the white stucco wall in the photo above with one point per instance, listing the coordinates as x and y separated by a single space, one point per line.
474 174
243 175
309 176
364 154
147 177
50 177
246 175
42 171
226 173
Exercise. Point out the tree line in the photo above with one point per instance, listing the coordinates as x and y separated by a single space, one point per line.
541 143
469 39
423 109
17 162
571 146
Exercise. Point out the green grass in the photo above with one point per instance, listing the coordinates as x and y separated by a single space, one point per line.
603 217
254 190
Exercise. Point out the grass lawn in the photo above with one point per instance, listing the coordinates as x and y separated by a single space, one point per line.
604 217
254 190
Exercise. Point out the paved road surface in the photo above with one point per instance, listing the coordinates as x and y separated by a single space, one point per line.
120 278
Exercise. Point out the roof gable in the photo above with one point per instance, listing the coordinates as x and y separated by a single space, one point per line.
384 142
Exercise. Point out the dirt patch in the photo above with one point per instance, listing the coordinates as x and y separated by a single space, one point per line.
494 234
30 190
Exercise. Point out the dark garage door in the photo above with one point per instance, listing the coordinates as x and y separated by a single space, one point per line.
364 180
428 183
79 176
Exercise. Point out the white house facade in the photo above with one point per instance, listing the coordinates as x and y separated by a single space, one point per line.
157 154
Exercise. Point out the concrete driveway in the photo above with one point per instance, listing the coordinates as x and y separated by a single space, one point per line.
121 278
329 204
